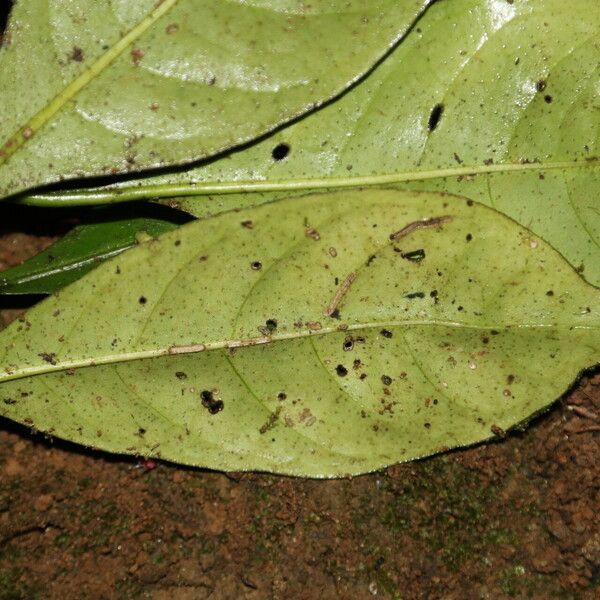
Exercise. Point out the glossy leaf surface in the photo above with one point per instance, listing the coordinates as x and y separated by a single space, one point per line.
96 87
320 336
493 100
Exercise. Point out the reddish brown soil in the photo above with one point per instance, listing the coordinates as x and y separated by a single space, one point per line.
512 519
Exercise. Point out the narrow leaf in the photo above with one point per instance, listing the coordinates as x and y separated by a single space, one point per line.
102 234
122 86
320 336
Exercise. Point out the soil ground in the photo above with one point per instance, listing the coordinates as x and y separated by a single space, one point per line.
511 519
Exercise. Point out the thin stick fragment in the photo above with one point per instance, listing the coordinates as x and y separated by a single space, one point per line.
408 229
187 349
340 293
583 412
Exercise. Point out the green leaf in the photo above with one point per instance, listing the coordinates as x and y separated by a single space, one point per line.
493 100
320 336
102 234
122 86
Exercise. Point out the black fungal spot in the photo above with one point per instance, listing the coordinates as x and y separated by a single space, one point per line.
386 380
386 333
435 116
413 295
142 300
180 375
549 293
414 255
341 370
256 265
427 425
469 237
247 223
336 314
208 401
281 396
271 325
141 431
371 259
434 294
9 401
348 344
548 99
485 340
280 151
540 86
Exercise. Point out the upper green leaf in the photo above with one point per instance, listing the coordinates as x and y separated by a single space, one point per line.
319 336
97 87
498 101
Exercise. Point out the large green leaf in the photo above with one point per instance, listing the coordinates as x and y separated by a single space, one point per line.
98 87
102 233
495 100
319 336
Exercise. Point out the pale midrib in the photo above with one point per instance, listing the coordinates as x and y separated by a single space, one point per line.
11 374
174 190
27 131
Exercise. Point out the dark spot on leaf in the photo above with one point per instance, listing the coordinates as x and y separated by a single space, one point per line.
143 300
76 54
435 116
485 340
247 223
548 99
348 344
371 259
386 333
9 401
211 403
510 379
341 370
414 255
49 357
494 332
470 202
498 431
335 314
180 375
540 86
469 237
271 324
256 265
281 396
363 376
549 293
386 380
413 295
280 151
141 431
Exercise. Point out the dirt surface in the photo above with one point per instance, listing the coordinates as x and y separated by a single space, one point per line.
512 519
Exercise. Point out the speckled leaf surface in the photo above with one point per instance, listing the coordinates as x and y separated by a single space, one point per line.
493 100
320 336
99 87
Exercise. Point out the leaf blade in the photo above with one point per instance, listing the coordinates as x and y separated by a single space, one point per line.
185 81
507 325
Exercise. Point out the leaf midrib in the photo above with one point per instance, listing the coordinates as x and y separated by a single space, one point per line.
10 374
27 131
174 190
